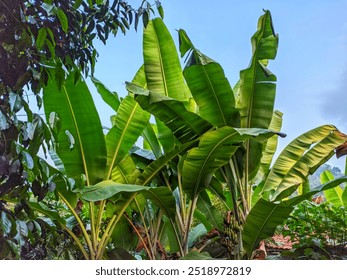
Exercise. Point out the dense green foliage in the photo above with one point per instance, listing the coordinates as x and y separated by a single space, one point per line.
185 171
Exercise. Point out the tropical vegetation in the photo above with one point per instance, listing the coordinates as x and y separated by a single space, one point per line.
187 170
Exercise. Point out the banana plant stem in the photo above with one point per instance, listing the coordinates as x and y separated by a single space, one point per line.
80 223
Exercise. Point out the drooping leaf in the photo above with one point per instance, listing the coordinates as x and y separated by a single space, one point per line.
161 196
78 115
184 125
161 62
195 255
212 92
195 233
111 98
213 217
42 208
301 158
214 151
151 140
156 166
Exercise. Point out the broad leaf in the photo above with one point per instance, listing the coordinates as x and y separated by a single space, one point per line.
261 223
151 140
257 89
125 172
111 98
78 115
161 196
184 124
130 122
214 151
301 158
213 217
210 88
161 62
265 216
156 166
334 195
270 146
195 255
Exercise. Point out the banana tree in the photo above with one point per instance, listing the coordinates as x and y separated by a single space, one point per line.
236 172
91 165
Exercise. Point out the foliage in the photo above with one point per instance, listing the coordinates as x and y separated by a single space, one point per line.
36 36
202 141
37 33
323 222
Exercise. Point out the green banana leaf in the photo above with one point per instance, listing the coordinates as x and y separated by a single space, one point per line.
130 122
214 218
214 151
125 172
156 166
301 158
333 196
344 197
161 196
151 140
184 124
110 98
80 141
162 66
261 223
209 87
256 90
165 136
324 187
271 145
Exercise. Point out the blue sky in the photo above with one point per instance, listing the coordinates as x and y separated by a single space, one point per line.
311 65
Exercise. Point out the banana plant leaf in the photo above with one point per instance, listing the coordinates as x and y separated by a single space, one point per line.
185 125
214 218
160 196
334 195
130 122
110 98
125 172
151 140
257 89
80 141
261 223
162 66
214 151
344 197
156 166
270 146
301 158
209 86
